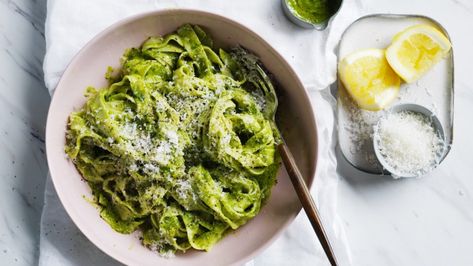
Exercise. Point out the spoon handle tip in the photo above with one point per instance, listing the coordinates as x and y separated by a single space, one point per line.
306 200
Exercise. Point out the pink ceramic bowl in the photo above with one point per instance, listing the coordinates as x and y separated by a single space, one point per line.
295 119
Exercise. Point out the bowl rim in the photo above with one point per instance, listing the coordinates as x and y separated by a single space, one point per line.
120 23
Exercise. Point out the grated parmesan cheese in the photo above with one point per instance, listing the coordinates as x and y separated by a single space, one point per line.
133 167
408 142
150 168
162 153
183 188
358 126
172 137
168 254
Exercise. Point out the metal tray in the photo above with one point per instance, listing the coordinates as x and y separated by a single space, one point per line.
434 90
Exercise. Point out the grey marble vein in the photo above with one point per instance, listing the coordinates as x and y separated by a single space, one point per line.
464 4
23 107
33 72
35 18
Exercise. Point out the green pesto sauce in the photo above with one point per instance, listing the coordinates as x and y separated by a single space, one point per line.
313 11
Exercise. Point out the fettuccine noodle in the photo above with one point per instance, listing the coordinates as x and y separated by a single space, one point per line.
178 145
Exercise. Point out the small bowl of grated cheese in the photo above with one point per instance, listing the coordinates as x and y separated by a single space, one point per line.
409 141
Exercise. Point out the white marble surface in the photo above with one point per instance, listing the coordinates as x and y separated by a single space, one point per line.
426 221
23 107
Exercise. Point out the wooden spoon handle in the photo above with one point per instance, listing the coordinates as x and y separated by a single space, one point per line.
306 200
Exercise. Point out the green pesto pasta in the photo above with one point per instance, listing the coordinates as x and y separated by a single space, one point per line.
178 146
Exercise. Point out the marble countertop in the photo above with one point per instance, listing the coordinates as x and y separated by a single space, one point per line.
427 221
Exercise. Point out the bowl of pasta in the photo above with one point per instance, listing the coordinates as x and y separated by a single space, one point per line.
159 145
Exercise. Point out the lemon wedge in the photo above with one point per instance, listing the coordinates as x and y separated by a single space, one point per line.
369 79
415 50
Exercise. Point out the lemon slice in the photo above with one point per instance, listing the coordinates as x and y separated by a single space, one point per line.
369 79
415 50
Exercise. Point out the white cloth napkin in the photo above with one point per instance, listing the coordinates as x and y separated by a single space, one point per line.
70 24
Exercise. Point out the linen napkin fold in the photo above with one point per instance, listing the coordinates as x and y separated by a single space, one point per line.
70 24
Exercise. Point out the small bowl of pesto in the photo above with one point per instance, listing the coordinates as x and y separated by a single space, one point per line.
311 14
